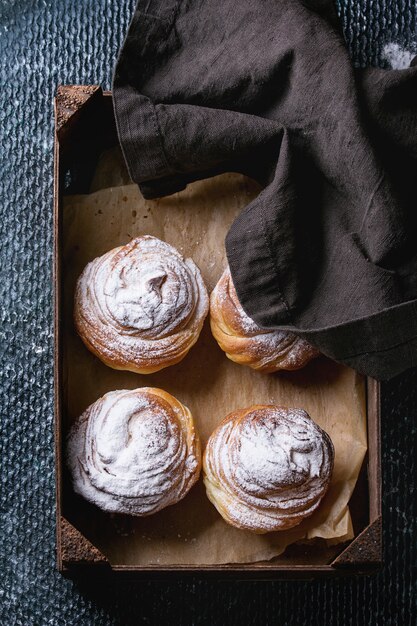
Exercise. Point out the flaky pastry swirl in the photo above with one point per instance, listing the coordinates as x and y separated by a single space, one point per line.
141 306
267 468
134 452
245 342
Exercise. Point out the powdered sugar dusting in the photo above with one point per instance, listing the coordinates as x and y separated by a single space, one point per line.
138 302
267 350
141 304
268 467
128 453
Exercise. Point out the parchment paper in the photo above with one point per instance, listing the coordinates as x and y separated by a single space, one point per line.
195 221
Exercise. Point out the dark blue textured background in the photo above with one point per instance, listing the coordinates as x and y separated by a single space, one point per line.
44 43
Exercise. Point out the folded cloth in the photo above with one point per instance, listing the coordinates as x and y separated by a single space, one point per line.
328 249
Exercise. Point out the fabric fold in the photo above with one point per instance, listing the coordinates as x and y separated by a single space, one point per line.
327 249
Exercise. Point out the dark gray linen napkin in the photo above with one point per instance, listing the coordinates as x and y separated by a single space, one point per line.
328 250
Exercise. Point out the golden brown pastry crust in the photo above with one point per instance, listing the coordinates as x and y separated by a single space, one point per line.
134 451
245 342
140 307
267 468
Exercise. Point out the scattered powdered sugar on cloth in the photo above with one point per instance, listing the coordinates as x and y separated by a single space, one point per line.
399 58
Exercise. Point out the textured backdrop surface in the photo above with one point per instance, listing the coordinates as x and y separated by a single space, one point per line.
44 43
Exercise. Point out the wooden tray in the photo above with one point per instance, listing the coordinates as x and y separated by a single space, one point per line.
84 128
